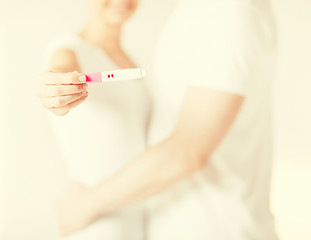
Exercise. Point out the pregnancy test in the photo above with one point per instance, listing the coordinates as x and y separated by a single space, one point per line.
115 75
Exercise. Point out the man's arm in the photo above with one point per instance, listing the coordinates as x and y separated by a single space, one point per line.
205 118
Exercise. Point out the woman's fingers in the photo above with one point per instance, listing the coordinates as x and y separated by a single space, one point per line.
61 111
62 78
60 90
77 102
61 101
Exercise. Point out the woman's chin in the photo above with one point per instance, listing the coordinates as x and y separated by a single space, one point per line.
119 16
118 20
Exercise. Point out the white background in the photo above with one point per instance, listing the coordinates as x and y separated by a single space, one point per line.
32 177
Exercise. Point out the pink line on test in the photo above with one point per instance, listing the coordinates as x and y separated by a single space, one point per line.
94 77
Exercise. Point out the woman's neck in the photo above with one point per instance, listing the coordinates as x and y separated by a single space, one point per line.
103 35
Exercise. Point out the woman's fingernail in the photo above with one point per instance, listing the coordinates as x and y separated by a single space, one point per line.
84 92
84 86
82 78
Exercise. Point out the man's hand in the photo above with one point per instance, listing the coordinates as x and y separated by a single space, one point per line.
75 209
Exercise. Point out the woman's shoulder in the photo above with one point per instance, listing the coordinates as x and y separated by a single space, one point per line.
67 41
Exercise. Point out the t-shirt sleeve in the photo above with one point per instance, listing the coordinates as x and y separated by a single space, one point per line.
225 48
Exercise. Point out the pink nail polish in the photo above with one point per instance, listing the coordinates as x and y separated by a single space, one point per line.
82 78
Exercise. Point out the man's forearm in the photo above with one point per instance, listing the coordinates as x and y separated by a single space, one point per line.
157 169
205 118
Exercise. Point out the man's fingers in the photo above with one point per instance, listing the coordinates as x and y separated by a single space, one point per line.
62 78
60 90
60 101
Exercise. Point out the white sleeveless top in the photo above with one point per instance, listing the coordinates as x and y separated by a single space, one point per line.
101 135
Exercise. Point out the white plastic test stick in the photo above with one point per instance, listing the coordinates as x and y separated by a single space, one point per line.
116 75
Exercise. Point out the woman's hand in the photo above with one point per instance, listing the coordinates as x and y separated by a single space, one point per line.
76 210
61 92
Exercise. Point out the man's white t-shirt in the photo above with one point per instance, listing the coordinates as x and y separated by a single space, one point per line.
225 45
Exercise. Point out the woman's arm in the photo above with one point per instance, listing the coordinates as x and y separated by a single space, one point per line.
60 89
